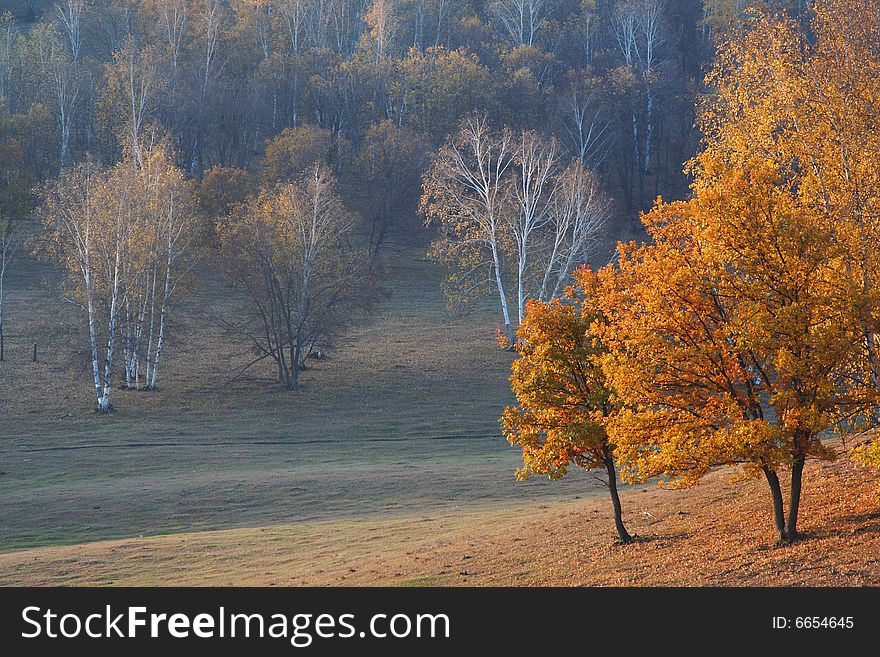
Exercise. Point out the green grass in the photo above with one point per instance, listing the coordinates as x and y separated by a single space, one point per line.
400 419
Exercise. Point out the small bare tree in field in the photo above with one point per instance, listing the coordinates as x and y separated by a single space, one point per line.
288 250
512 217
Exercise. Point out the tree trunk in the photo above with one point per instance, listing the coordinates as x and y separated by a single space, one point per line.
502 296
295 366
797 473
4 248
778 510
622 535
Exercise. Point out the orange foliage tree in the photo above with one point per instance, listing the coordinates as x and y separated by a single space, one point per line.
749 327
563 400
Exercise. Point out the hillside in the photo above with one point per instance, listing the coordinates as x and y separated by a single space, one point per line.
717 534
400 419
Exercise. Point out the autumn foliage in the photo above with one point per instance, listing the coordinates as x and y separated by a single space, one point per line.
746 330
564 404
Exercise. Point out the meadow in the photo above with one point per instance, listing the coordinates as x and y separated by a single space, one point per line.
399 420
387 468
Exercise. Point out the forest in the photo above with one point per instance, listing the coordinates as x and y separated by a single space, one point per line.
213 103
668 212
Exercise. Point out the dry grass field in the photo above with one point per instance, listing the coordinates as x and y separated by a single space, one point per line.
715 535
401 418
388 468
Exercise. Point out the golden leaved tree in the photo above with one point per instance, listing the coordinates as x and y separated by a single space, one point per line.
749 327
125 238
563 401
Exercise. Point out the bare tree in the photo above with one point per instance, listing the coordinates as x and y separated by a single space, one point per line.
294 14
586 121
174 21
208 29
66 90
391 160
578 215
468 195
70 14
638 31
135 84
508 209
288 251
535 169
518 21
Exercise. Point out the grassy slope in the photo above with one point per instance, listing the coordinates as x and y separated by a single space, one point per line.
715 535
401 419
387 469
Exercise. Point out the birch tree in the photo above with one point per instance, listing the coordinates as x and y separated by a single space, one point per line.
165 232
86 218
467 194
134 86
65 94
208 27
536 162
124 238
383 22
639 34
70 13
172 24
512 218
585 118
8 37
518 21
577 218
294 14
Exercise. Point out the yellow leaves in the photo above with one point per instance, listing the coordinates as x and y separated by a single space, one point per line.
563 402
868 455
145 212
749 326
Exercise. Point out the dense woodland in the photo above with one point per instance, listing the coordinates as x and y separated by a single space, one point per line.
138 127
238 96
289 142
614 81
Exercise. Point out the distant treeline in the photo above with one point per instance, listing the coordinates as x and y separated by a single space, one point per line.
615 81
